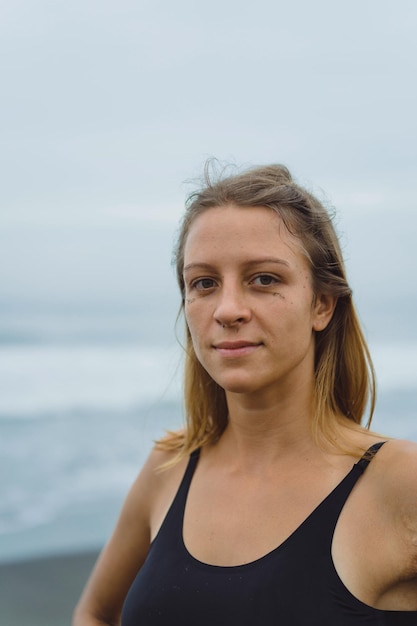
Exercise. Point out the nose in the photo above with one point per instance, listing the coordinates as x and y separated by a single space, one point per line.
232 309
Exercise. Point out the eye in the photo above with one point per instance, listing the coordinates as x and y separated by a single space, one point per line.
265 280
202 284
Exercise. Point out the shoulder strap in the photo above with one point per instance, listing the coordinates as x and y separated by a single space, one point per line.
171 527
189 472
322 522
363 463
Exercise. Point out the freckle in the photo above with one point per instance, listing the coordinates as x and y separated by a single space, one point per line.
190 301
276 293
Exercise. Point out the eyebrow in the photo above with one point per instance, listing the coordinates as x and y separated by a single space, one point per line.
247 264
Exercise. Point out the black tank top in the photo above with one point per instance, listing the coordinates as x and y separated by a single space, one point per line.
294 585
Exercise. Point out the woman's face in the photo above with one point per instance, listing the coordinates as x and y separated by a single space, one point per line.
249 302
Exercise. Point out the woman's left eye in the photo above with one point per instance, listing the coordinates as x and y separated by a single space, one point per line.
265 280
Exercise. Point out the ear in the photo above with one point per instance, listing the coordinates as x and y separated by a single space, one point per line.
323 310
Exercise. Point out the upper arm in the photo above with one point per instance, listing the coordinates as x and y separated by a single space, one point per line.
125 552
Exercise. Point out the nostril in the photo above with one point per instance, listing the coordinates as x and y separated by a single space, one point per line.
232 324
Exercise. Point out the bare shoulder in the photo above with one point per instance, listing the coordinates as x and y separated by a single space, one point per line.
163 481
152 491
398 471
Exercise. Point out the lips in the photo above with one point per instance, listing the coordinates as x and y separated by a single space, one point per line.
236 348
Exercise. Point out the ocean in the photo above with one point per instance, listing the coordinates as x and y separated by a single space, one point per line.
83 396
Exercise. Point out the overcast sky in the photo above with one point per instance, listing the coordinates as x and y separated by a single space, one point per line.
107 107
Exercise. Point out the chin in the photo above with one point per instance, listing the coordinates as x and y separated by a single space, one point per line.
241 385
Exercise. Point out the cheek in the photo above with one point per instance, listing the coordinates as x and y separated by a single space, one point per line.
192 322
188 314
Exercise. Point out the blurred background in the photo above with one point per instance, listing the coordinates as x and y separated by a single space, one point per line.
109 111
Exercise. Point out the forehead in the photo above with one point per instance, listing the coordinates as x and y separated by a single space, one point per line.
245 231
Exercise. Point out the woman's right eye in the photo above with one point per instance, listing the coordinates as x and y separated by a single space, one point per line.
203 284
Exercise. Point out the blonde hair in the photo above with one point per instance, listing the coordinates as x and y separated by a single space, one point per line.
344 374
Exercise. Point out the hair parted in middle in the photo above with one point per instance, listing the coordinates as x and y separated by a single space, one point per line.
344 375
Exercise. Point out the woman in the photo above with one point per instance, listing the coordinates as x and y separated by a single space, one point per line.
253 514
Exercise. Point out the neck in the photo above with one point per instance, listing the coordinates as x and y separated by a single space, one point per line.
262 432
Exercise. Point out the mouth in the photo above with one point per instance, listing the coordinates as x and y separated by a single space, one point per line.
236 348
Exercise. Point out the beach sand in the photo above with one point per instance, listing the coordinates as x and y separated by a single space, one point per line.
43 592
